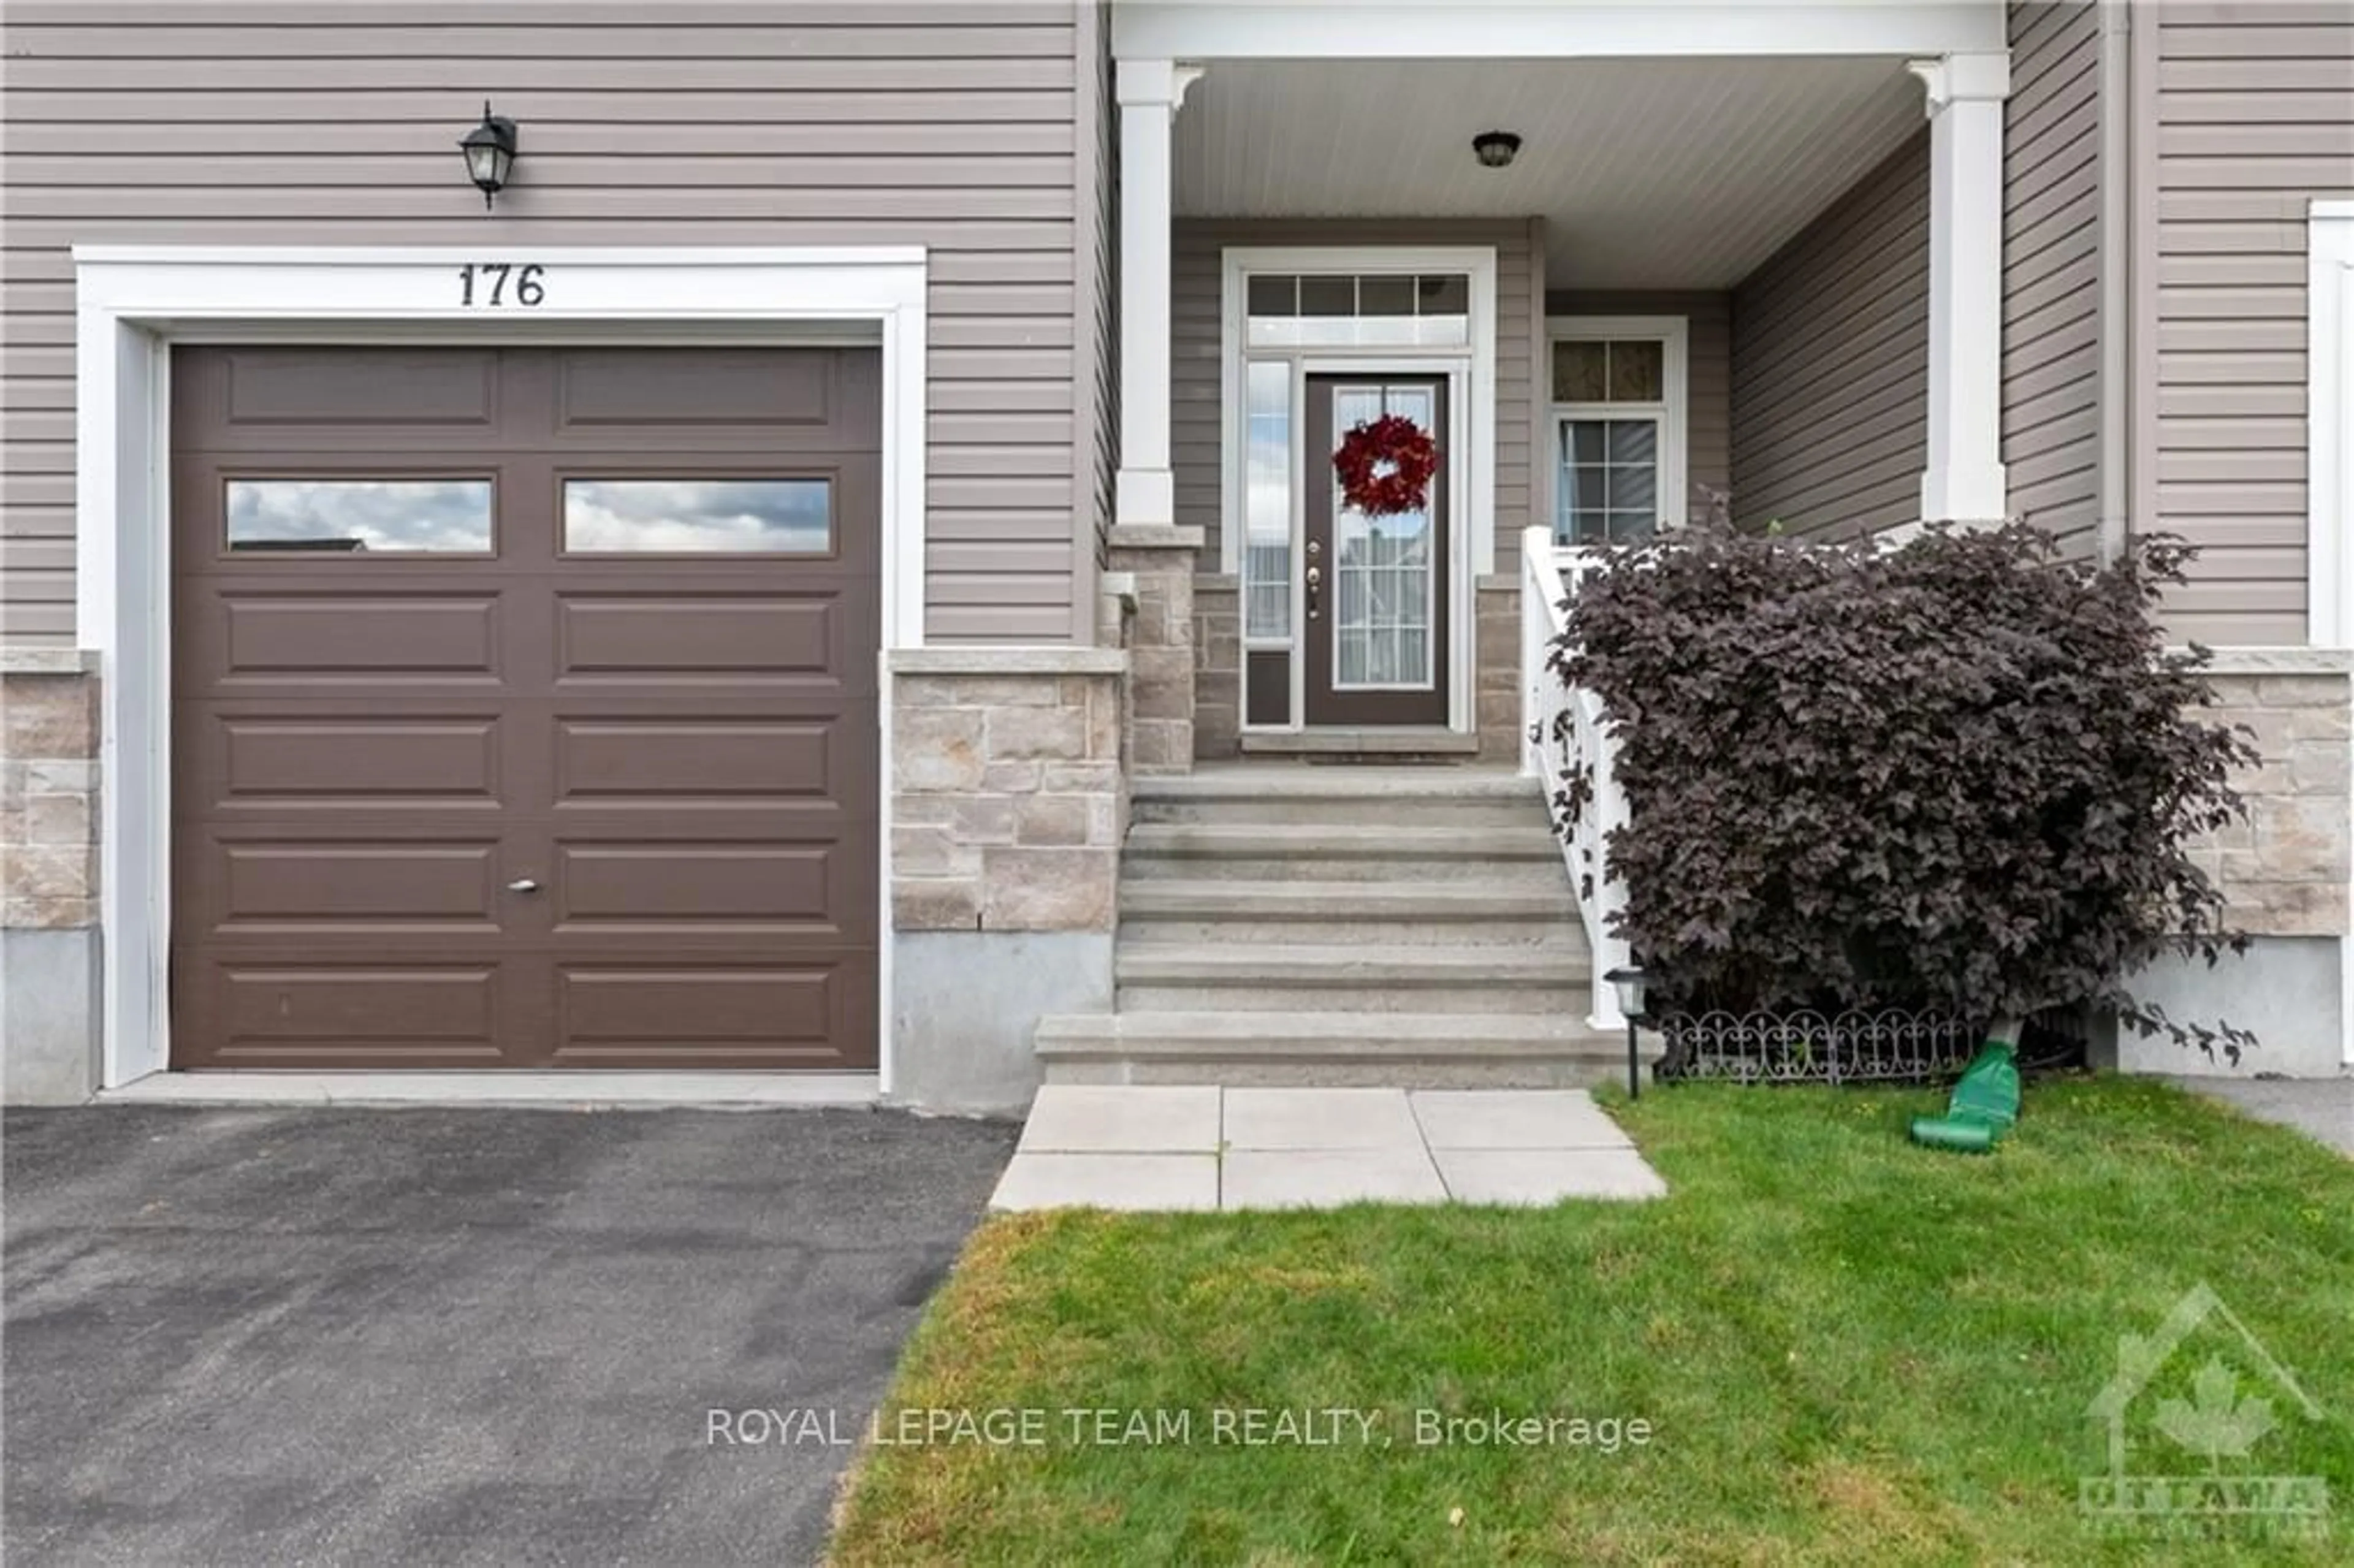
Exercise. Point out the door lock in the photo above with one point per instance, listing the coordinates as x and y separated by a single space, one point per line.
1315 582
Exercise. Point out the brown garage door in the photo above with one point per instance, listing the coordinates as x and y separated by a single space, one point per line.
525 707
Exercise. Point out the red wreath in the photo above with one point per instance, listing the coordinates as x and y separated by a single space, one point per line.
1386 466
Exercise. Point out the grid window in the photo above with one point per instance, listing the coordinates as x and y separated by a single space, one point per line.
1610 439
1609 488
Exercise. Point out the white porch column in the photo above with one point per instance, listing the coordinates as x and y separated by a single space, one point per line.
1150 91
1965 481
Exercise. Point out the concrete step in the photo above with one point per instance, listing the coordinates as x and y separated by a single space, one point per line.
1291 795
1519 855
1526 875
1407 1051
1468 913
1434 744
1550 977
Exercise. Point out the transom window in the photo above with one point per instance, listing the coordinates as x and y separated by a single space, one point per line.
1617 397
1603 371
1366 310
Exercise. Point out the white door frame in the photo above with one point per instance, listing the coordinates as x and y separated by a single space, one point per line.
132 303
2329 474
1470 375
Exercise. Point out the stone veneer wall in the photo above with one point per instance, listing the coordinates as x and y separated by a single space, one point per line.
2285 870
1008 801
1497 694
49 792
1158 633
1008 804
1217 666
48 876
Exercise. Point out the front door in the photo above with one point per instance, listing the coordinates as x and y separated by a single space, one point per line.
1376 589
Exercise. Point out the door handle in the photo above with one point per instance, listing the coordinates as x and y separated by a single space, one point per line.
1315 582
522 884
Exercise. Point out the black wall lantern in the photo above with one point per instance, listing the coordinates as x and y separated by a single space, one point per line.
490 150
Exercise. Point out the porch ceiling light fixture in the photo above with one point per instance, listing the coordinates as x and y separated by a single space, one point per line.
490 150
1495 149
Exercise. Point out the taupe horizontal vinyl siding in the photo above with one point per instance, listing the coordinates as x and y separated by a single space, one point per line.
1830 349
950 125
1197 268
2051 265
2245 113
1100 260
1708 415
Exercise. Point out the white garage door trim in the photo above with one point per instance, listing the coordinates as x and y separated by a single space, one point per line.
2329 473
132 303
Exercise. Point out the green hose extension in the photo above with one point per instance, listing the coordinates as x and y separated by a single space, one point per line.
1985 1102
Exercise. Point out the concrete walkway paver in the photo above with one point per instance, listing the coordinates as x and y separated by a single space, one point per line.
1319 1119
1327 1177
1516 1119
1085 1118
1043 1179
1547 1175
1151 1148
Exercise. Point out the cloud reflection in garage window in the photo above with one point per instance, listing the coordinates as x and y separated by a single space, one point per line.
353 515
701 517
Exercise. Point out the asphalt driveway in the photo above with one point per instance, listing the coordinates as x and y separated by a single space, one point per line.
2320 1108
457 1336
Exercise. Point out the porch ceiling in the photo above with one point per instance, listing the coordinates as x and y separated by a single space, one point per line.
1651 174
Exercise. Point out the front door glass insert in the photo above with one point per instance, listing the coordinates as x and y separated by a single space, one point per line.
1382 566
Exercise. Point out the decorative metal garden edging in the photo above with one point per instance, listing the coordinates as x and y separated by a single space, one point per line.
1890 1046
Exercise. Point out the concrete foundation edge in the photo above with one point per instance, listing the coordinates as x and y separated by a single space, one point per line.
965 1008
49 1016
2288 990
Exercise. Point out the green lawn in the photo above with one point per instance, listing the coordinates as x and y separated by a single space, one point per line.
1849 1350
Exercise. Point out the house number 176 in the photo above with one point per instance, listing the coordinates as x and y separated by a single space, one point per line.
486 284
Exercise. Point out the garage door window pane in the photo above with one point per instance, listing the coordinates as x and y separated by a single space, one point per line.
376 516
699 516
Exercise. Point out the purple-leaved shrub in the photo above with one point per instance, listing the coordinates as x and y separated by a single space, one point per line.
1964 773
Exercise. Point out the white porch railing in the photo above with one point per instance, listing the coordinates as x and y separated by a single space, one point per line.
1552 749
